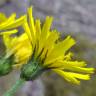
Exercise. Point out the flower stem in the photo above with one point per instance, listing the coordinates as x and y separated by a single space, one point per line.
17 85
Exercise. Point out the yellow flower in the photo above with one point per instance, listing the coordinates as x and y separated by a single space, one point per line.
40 49
13 43
52 53
19 46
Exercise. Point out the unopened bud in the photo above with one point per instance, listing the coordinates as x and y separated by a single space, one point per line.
31 71
5 66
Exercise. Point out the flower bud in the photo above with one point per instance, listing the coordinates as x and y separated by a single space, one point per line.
31 71
5 66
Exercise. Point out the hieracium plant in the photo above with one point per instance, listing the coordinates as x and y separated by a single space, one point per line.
36 50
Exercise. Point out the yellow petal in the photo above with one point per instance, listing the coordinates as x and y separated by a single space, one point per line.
72 77
32 26
68 56
45 33
28 32
83 70
80 76
6 37
38 29
9 32
23 37
50 42
16 23
46 28
26 53
67 76
67 64
8 21
2 17
60 49
31 22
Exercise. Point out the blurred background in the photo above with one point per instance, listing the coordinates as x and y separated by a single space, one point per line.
71 17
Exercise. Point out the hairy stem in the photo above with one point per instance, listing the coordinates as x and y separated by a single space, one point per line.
17 85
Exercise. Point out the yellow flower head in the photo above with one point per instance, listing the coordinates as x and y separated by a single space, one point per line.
39 49
12 43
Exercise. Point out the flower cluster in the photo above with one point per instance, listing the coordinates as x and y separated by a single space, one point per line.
38 49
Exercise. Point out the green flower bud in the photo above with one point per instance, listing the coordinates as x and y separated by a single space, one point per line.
31 71
5 66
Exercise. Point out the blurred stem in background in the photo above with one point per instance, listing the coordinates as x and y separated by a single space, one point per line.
16 86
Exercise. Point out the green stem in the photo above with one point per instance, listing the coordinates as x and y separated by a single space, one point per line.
17 85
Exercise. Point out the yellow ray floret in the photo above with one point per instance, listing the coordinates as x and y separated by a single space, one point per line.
12 22
2 17
72 77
